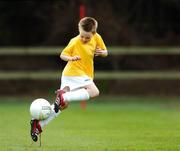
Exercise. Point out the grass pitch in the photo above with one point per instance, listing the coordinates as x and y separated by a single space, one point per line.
107 124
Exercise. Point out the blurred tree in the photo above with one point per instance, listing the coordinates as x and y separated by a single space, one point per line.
125 22
24 22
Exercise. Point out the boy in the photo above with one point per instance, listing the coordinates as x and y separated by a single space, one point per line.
77 77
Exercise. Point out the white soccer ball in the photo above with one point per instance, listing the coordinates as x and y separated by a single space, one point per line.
40 109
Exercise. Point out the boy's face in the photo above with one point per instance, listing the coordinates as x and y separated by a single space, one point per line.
85 36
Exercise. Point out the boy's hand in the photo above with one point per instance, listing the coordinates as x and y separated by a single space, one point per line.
100 52
75 58
69 58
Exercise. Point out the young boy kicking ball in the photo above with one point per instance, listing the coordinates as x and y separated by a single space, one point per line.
77 77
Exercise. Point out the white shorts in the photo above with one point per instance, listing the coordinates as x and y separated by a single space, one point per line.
75 82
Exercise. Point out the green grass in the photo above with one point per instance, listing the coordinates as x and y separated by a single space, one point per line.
108 124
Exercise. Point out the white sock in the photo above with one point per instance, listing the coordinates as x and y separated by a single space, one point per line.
50 118
77 95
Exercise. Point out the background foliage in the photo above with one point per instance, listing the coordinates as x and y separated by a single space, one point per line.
125 22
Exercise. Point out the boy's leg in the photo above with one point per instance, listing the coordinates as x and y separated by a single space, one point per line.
77 95
64 97
84 93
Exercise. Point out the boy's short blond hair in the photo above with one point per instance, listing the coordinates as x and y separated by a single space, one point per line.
88 24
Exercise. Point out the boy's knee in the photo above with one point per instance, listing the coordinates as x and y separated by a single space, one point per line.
94 93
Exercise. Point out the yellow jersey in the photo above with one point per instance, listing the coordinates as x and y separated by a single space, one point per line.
84 66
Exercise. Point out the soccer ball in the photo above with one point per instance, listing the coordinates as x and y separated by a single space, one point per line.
40 109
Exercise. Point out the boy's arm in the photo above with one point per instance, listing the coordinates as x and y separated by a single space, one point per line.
101 49
100 52
69 58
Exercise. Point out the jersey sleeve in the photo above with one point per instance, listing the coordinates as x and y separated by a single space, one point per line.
100 42
68 49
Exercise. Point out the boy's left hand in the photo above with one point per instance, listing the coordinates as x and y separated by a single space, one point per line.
99 52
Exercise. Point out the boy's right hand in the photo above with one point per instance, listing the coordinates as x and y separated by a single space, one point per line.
75 58
69 58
